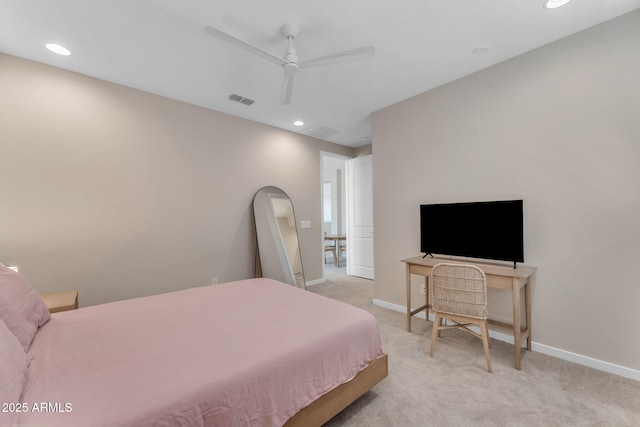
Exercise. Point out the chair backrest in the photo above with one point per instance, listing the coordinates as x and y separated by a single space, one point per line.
329 245
459 289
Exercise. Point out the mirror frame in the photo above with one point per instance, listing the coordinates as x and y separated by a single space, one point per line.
271 252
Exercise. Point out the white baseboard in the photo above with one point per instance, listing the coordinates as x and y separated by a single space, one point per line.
580 359
559 353
314 282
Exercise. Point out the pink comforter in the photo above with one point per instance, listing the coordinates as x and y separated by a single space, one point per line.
252 352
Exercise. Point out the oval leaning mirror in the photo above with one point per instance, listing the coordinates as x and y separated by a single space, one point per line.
278 247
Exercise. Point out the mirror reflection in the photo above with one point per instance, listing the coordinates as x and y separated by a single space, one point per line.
278 246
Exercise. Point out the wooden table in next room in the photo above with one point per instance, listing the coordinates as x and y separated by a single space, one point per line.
337 239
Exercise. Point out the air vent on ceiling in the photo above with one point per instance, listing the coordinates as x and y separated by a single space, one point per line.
242 100
322 131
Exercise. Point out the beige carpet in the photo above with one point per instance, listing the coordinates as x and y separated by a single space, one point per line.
454 389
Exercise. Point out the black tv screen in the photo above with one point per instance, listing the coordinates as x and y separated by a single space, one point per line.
488 230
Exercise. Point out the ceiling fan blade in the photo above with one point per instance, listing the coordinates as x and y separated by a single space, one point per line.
287 89
356 54
219 34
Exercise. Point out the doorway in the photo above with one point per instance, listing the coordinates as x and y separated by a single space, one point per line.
347 216
334 214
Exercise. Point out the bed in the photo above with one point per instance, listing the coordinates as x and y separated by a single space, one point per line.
252 352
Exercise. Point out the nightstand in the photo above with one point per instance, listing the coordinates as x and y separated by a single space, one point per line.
61 301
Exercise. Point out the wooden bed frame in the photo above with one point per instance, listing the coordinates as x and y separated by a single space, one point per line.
331 403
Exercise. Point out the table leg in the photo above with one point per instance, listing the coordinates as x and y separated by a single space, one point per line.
527 307
517 336
408 299
426 297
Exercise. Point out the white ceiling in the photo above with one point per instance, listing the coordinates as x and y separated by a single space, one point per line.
158 46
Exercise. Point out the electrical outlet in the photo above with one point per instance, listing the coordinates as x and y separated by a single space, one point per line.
423 289
214 280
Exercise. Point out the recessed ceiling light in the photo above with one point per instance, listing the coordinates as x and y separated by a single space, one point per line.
298 123
552 4
56 48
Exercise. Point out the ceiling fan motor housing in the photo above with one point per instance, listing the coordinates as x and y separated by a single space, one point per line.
290 68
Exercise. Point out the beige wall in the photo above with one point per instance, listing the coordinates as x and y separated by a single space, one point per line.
364 150
558 127
120 193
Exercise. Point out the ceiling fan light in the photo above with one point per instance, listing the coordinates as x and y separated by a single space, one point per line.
552 4
56 48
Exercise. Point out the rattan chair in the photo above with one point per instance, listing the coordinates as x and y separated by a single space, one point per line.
459 293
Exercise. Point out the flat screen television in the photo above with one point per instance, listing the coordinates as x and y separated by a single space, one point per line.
488 230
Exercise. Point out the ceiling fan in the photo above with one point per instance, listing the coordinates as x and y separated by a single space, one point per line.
289 62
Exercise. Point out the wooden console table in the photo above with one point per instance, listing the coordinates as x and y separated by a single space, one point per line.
498 276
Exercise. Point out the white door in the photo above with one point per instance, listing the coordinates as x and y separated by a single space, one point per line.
360 217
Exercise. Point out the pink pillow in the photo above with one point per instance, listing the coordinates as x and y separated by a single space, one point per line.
13 370
21 308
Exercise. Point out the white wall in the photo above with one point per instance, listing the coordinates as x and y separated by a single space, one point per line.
558 127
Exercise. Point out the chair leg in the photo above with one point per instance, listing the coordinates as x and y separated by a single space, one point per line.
440 321
485 343
436 322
